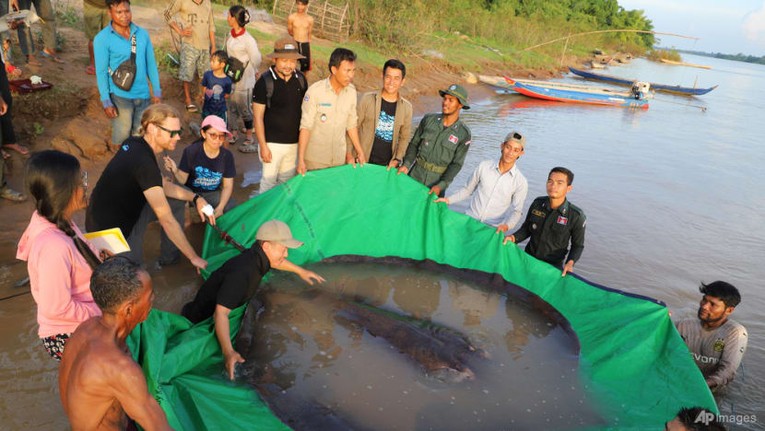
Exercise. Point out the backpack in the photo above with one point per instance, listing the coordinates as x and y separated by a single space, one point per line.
234 69
269 80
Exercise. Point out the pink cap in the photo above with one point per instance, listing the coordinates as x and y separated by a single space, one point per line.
216 123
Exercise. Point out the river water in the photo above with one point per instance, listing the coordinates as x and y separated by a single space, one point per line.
670 193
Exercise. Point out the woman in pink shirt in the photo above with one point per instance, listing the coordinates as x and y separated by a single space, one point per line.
59 259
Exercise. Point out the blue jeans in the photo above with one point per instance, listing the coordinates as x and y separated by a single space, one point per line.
128 121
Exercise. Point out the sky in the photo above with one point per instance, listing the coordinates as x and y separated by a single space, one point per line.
726 26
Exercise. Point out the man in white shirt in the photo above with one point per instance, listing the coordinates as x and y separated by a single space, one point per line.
498 188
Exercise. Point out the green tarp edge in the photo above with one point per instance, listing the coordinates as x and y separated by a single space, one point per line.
636 368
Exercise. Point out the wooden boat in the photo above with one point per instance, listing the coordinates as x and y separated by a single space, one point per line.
681 63
500 85
573 93
674 89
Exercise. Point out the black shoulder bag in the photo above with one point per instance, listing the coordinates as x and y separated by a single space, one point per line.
124 75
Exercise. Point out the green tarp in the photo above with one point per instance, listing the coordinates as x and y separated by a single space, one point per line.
635 365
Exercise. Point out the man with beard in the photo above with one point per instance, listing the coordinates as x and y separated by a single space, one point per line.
716 342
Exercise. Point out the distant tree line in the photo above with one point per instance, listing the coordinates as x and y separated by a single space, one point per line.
735 57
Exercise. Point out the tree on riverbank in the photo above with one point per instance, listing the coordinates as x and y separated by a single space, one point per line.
506 25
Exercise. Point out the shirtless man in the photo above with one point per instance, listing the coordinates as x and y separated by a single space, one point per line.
99 383
300 27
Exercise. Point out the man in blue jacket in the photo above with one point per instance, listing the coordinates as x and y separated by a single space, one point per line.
112 46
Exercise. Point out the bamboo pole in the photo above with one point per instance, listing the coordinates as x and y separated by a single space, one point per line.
609 31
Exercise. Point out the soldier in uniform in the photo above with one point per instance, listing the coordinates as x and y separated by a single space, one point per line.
438 148
552 222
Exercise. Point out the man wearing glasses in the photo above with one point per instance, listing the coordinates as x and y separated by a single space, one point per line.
131 192
112 47
498 188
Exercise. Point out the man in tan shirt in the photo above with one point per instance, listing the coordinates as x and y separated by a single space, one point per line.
385 119
328 114
197 32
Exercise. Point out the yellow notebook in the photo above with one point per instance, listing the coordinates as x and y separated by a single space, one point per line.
108 239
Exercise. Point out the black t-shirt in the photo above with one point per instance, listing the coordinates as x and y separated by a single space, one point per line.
282 118
118 198
206 174
382 148
231 285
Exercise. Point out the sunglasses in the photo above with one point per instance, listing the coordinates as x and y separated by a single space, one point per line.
173 133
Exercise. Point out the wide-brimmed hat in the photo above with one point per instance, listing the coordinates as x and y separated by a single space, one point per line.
216 123
286 48
277 231
459 92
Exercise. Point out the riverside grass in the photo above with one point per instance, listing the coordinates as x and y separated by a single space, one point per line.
465 35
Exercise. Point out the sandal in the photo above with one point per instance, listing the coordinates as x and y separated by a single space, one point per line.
12 195
51 57
192 107
17 148
248 148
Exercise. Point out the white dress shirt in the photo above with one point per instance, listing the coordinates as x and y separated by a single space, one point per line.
498 197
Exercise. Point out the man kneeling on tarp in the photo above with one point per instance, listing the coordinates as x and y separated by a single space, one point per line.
234 283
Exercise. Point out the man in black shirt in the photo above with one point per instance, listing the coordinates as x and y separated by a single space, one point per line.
232 285
552 222
276 106
131 191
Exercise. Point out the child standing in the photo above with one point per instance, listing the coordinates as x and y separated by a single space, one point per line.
300 27
216 86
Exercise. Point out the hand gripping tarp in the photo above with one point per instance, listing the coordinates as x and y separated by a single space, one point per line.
638 371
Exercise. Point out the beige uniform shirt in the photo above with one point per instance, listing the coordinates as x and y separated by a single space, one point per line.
328 116
198 17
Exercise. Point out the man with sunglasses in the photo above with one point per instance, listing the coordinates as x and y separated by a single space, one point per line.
131 191
498 188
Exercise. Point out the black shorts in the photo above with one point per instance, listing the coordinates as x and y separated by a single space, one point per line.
305 49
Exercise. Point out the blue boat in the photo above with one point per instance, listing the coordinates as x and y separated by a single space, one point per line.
674 89
637 97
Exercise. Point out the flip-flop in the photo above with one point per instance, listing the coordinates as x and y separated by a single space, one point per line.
17 148
52 57
192 107
90 70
